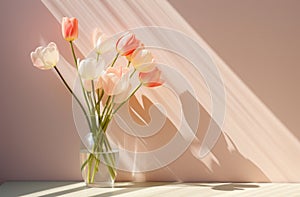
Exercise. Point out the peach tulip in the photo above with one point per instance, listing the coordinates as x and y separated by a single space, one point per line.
69 28
45 57
142 60
129 57
127 44
115 80
152 78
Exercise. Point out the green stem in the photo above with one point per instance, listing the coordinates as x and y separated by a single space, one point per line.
128 63
107 114
90 99
134 91
105 108
114 61
93 93
74 95
74 55
89 169
86 162
132 73
95 170
100 96
97 58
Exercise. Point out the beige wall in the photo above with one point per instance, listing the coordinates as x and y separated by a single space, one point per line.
257 39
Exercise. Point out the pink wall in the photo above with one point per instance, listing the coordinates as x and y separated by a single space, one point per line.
38 141
37 137
260 42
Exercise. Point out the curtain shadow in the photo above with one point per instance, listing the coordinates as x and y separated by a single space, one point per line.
223 164
135 186
39 188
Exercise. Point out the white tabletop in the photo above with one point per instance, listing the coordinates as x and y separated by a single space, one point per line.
74 189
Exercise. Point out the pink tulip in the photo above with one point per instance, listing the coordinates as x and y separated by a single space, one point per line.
127 44
45 57
152 78
115 80
69 28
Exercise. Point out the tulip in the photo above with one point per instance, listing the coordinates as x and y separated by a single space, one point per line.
90 69
69 28
127 44
129 57
45 57
151 79
142 60
101 43
115 80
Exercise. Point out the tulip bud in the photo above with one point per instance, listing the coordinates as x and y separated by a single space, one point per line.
101 43
69 28
142 60
152 78
127 44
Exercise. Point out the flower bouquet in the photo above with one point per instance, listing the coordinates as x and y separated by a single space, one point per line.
105 86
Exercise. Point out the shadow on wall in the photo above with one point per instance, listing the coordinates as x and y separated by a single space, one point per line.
223 163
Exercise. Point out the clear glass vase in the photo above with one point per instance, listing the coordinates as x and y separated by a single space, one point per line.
99 169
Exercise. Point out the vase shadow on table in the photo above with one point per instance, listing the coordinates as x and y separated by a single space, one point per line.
224 163
229 186
234 186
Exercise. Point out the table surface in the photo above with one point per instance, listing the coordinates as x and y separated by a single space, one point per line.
74 189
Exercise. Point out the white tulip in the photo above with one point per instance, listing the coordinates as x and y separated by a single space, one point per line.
45 57
101 43
90 69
